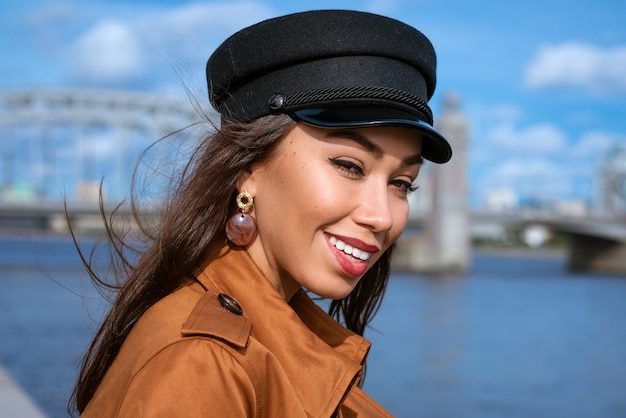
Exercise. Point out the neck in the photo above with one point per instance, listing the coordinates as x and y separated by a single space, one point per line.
284 284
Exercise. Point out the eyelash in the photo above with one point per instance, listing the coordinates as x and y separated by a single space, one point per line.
408 187
348 167
354 170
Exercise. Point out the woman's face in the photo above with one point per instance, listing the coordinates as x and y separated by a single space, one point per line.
328 203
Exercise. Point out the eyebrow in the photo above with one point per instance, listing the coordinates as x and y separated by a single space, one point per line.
369 146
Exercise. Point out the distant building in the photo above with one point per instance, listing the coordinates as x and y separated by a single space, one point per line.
421 201
501 199
610 183
88 191
18 193
448 226
574 208
442 201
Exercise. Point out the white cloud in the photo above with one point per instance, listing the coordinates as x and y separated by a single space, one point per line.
516 169
192 31
537 162
109 52
506 112
125 50
539 139
531 178
578 65
51 13
594 145
490 114
204 19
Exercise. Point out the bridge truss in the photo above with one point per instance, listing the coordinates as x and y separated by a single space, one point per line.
61 143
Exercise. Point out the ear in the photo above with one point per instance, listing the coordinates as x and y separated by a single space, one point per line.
248 180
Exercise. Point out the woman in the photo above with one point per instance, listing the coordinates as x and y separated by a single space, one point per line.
324 127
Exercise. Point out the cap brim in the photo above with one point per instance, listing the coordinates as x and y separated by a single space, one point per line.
435 147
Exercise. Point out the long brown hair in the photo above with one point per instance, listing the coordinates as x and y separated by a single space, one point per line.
191 230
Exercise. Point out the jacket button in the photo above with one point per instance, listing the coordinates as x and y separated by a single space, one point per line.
229 303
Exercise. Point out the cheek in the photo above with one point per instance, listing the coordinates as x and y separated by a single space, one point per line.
290 196
400 214
310 189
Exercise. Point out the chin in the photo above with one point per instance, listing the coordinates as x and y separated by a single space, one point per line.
333 294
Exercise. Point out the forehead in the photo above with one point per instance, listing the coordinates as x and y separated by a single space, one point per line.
391 140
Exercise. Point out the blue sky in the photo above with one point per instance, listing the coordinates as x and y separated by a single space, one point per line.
543 84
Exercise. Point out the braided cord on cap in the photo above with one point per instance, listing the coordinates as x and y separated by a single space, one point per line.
343 93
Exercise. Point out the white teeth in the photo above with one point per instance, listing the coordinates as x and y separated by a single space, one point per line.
349 249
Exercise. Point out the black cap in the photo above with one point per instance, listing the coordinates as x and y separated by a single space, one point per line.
330 68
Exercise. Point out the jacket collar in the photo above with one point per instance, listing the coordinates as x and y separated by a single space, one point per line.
322 358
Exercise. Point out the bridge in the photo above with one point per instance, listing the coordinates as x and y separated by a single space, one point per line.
594 243
57 145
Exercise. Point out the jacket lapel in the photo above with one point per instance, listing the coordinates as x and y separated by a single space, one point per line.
322 359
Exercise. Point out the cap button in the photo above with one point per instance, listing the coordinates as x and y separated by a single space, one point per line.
230 304
277 102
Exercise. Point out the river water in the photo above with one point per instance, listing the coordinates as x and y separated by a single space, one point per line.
517 336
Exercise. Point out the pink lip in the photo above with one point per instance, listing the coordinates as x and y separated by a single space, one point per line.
348 264
357 243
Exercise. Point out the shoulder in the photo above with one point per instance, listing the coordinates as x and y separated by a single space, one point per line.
189 313
214 316
197 375
182 344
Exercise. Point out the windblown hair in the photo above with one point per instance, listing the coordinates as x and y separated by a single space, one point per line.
190 231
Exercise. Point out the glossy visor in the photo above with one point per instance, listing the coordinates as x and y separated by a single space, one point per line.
435 147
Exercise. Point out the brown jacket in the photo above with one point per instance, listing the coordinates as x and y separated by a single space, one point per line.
190 356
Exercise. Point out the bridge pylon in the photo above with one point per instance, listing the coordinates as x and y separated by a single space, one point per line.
443 246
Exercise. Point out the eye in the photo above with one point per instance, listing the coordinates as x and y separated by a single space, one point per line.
347 167
404 187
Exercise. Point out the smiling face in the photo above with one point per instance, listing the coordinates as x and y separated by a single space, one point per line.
329 203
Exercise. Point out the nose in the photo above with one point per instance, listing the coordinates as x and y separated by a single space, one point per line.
374 209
